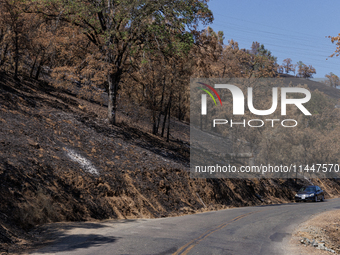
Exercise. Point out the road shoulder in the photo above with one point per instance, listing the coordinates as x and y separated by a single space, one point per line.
318 235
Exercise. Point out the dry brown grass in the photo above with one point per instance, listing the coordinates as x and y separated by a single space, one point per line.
37 210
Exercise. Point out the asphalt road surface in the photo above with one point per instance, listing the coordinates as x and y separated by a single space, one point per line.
246 230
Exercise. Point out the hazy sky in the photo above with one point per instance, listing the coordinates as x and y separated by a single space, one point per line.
289 29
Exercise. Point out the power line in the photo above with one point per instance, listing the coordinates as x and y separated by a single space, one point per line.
280 39
265 25
305 55
293 44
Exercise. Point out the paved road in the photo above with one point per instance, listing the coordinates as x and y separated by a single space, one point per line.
247 230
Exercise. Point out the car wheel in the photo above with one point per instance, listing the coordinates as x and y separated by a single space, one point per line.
316 199
322 198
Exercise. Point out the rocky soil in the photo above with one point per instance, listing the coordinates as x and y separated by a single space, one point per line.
319 235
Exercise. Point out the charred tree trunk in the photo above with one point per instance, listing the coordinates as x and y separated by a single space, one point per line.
33 66
165 117
41 63
169 118
113 80
16 59
179 107
154 109
161 107
154 120
3 55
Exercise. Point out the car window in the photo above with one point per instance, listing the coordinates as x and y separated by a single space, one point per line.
307 189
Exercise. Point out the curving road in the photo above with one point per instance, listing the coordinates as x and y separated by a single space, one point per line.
247 230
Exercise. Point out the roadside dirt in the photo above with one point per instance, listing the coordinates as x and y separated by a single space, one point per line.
61 161
323 230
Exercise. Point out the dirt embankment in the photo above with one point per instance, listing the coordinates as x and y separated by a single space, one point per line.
61 161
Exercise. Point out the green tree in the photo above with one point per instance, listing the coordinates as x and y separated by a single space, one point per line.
262 51
119 29
262 63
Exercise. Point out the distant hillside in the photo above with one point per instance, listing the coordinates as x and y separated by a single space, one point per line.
312 85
